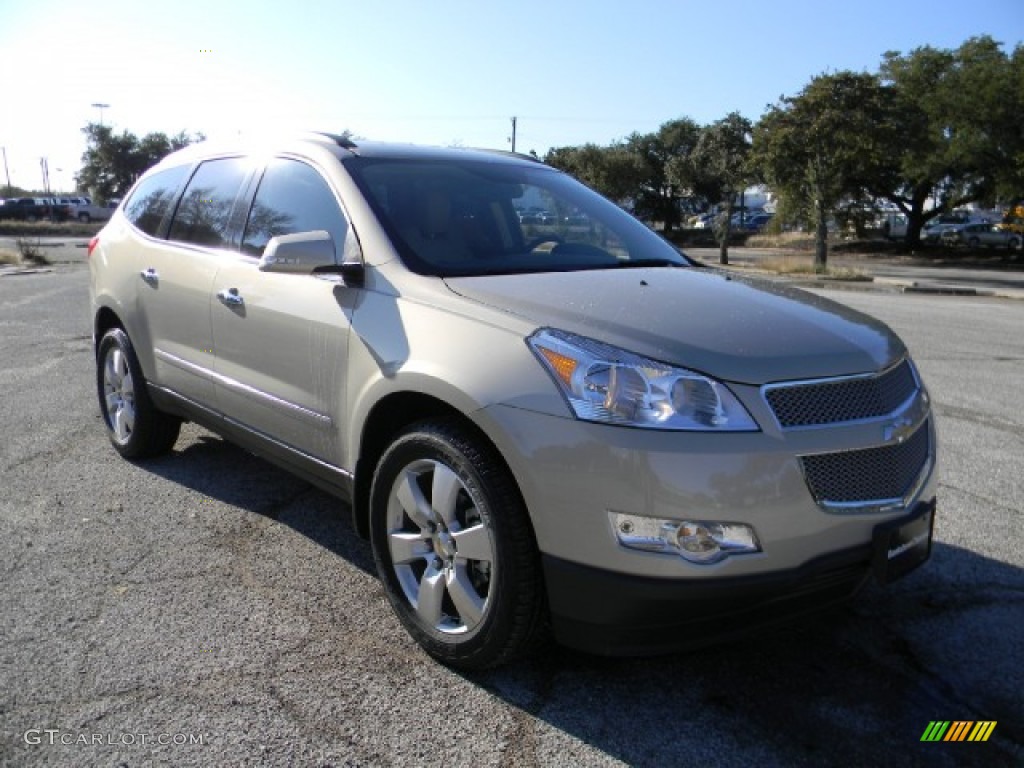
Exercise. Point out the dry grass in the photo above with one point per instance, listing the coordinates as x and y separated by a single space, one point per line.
10 228
798 241
8 256
800 265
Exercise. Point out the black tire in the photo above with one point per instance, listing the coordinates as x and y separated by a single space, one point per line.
134 425
1013 243
504 615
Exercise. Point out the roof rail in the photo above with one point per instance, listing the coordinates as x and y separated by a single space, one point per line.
508 153
340 139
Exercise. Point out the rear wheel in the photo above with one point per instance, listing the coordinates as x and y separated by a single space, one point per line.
454 547
135 427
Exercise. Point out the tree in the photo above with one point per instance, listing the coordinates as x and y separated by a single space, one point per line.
719 169
613 170
111 163
961 136
664 169
822 145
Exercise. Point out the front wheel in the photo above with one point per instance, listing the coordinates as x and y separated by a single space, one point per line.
135 427
454 547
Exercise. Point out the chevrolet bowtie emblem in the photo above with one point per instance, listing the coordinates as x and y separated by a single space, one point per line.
898 430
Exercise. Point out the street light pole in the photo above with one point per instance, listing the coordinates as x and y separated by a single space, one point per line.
101 107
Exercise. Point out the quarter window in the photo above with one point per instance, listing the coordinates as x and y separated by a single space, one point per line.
204 212
292 197
152 199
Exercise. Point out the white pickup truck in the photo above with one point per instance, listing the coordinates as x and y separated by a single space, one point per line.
86 211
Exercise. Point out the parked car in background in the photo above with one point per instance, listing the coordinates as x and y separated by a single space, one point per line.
975 235
537 215
758 222
893 225
71 201
32 209
86 212
946 224
740 218
581 431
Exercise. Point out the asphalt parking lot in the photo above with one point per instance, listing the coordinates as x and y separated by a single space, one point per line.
207 609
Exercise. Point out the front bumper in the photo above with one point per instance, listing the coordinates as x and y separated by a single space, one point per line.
609 599
622 615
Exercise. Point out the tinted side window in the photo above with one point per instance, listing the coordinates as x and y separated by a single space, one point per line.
152 198
292 197
205 208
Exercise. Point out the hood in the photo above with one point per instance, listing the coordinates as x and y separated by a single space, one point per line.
733 328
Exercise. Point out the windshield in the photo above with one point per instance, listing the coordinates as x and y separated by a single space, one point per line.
474 217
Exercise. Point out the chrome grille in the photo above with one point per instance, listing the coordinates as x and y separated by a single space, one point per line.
872 474
842 400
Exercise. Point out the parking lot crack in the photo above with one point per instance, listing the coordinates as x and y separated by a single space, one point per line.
980 419
986 500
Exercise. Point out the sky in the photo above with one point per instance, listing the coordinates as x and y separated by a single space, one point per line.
441 72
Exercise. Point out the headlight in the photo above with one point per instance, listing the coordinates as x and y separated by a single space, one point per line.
607 384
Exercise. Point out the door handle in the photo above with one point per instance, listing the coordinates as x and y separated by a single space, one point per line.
150 276
230 297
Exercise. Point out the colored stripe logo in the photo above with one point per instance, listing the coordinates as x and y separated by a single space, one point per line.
958 730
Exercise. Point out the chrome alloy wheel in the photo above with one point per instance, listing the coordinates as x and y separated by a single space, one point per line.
119 394
441 549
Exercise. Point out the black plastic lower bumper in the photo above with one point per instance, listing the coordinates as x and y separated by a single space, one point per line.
621 615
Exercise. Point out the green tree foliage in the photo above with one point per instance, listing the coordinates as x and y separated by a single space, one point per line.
112 162
719 169
819 147
665 178
613 171
961 134
651 172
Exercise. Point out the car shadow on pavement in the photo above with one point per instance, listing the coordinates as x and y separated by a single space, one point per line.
223 471
853 686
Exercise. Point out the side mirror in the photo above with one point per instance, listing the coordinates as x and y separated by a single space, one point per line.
301 253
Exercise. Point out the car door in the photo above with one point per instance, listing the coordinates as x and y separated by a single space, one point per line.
281 340
176 277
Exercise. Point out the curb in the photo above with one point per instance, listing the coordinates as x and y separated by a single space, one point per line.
24 271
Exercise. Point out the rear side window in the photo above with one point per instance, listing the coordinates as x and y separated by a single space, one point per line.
292 197
204 212
152 199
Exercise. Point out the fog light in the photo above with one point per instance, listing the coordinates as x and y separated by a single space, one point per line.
698 541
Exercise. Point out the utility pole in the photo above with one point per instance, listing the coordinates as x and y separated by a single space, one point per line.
7 171
513 134
101 107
